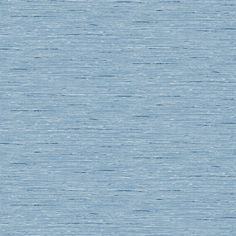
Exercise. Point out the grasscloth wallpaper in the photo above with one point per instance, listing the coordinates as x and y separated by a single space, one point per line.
117 118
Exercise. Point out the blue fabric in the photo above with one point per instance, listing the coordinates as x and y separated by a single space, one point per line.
117 118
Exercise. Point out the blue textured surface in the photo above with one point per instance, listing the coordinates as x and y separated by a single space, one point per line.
117 118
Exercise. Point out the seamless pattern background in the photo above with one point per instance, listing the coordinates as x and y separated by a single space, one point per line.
117 117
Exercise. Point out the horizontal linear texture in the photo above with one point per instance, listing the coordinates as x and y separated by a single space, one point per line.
117 118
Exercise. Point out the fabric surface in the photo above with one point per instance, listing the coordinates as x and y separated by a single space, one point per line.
117 117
